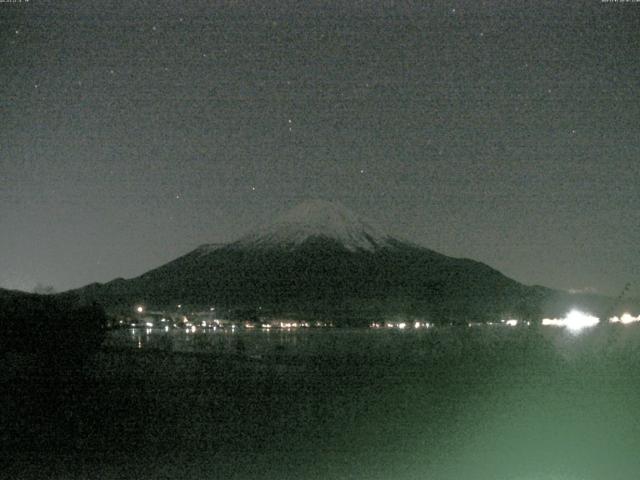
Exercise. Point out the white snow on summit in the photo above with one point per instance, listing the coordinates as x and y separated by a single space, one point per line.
319 218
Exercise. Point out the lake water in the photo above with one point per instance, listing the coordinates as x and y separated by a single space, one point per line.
445 403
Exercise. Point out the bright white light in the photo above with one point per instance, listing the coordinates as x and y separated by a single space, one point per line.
625 319
140 309
574 321
402 325
553 322
166 329
511 322
193 328
577 320
149 324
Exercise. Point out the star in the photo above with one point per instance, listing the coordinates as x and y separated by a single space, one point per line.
253 189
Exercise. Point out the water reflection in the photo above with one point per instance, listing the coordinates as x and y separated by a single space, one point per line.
482 403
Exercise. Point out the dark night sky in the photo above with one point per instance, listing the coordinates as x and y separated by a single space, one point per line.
507 132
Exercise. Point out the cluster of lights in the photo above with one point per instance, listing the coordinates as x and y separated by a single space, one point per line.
574 321
625 319
293 324
285 324
399 325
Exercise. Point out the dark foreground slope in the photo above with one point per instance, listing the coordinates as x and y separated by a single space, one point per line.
58 331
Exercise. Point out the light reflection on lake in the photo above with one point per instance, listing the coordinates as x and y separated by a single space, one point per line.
481 403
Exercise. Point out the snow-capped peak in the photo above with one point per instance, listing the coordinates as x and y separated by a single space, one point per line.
319 219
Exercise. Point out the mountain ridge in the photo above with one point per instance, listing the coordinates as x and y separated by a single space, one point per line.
322 260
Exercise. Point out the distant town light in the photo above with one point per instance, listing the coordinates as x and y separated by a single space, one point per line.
402 325
139 309
511 322
575 321
553 322
625 319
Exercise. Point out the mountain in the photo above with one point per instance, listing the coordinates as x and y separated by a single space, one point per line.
322 260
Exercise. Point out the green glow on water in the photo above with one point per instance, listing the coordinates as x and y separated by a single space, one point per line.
477 403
